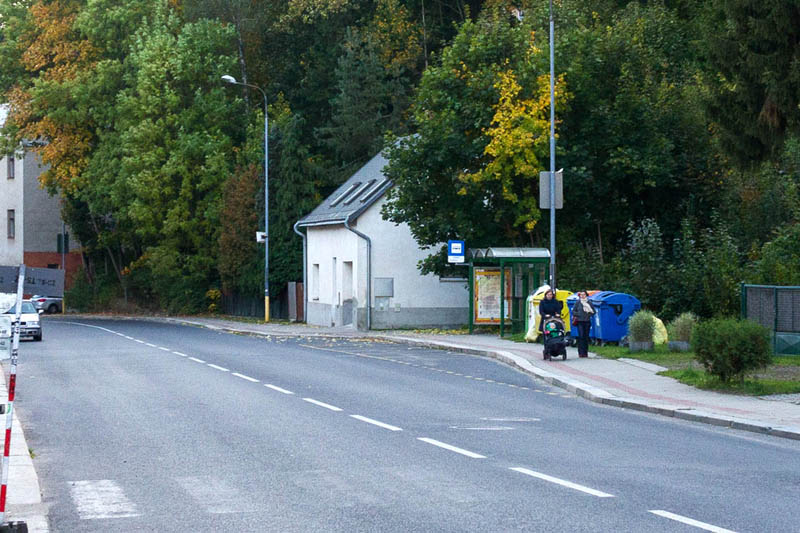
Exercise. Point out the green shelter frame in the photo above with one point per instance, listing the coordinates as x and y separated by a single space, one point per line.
528 268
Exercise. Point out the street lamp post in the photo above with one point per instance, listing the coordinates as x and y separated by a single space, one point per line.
230 79
552 154
519 15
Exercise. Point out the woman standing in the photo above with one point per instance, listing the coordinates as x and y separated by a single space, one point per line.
582 313
548 307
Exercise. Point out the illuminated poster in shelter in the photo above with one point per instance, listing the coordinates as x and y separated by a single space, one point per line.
486 295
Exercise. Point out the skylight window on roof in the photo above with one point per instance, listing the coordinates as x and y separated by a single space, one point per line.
355 195
342 196
372 191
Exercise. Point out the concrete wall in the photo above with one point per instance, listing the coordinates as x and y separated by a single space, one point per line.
414 300
42 211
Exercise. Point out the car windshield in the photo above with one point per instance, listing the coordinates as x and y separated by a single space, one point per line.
27 307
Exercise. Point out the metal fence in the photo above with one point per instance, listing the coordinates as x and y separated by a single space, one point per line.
778 309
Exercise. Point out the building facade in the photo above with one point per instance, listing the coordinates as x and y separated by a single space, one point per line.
353 256
31 228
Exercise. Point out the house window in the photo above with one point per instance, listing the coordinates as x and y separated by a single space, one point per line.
315 281
11 225
10 174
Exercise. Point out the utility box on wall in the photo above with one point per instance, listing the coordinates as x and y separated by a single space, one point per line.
384 287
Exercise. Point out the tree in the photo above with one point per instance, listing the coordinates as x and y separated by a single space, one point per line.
634 138
753 48
453 178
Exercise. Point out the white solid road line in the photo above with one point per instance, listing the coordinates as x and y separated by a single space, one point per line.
452 448
276 388
691 522
196 360
248 378
218 367
563 482
376 423
322 404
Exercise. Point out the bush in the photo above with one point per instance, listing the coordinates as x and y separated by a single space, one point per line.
680 329
728 348
641 327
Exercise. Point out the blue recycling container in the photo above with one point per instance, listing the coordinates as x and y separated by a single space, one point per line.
610 323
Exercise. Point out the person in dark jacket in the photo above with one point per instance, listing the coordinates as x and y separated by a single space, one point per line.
548 307
582 313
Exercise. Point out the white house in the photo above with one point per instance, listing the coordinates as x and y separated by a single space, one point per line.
31 229
352 256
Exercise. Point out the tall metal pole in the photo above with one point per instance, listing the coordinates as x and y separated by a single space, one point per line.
230 79
552 155
266 210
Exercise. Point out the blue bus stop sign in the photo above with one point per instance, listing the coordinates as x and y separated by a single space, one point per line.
455 251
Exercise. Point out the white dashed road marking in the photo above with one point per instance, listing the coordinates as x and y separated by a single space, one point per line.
151 345
196 360
452 448
181 354
102 498
322 404
276 388
218 367
164 349
215 495
690 522
376 423
563 482
248 378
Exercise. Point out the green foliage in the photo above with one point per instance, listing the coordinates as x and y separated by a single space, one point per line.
645 260
454 107
756 387
728 348
641 326
680 329
779 261
753 75
634 138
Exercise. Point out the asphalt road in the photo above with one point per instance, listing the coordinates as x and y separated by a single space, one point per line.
144 426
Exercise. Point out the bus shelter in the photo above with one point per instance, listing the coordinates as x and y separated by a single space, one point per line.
500 280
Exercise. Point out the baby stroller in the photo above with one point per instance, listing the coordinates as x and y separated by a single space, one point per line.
554 338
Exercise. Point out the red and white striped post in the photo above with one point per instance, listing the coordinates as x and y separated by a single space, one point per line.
12 382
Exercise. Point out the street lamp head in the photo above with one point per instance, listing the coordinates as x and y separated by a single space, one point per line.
227 78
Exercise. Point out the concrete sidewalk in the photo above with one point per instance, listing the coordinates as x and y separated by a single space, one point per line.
24 496
626 383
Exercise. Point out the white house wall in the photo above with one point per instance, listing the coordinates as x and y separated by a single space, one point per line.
326 293
415 300
11 250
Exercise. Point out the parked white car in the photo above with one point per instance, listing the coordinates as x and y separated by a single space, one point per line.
30 324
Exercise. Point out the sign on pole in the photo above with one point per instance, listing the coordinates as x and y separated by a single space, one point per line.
42 281
5 335
544 189
455 251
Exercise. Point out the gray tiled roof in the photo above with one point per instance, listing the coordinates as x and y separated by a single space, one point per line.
353 197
